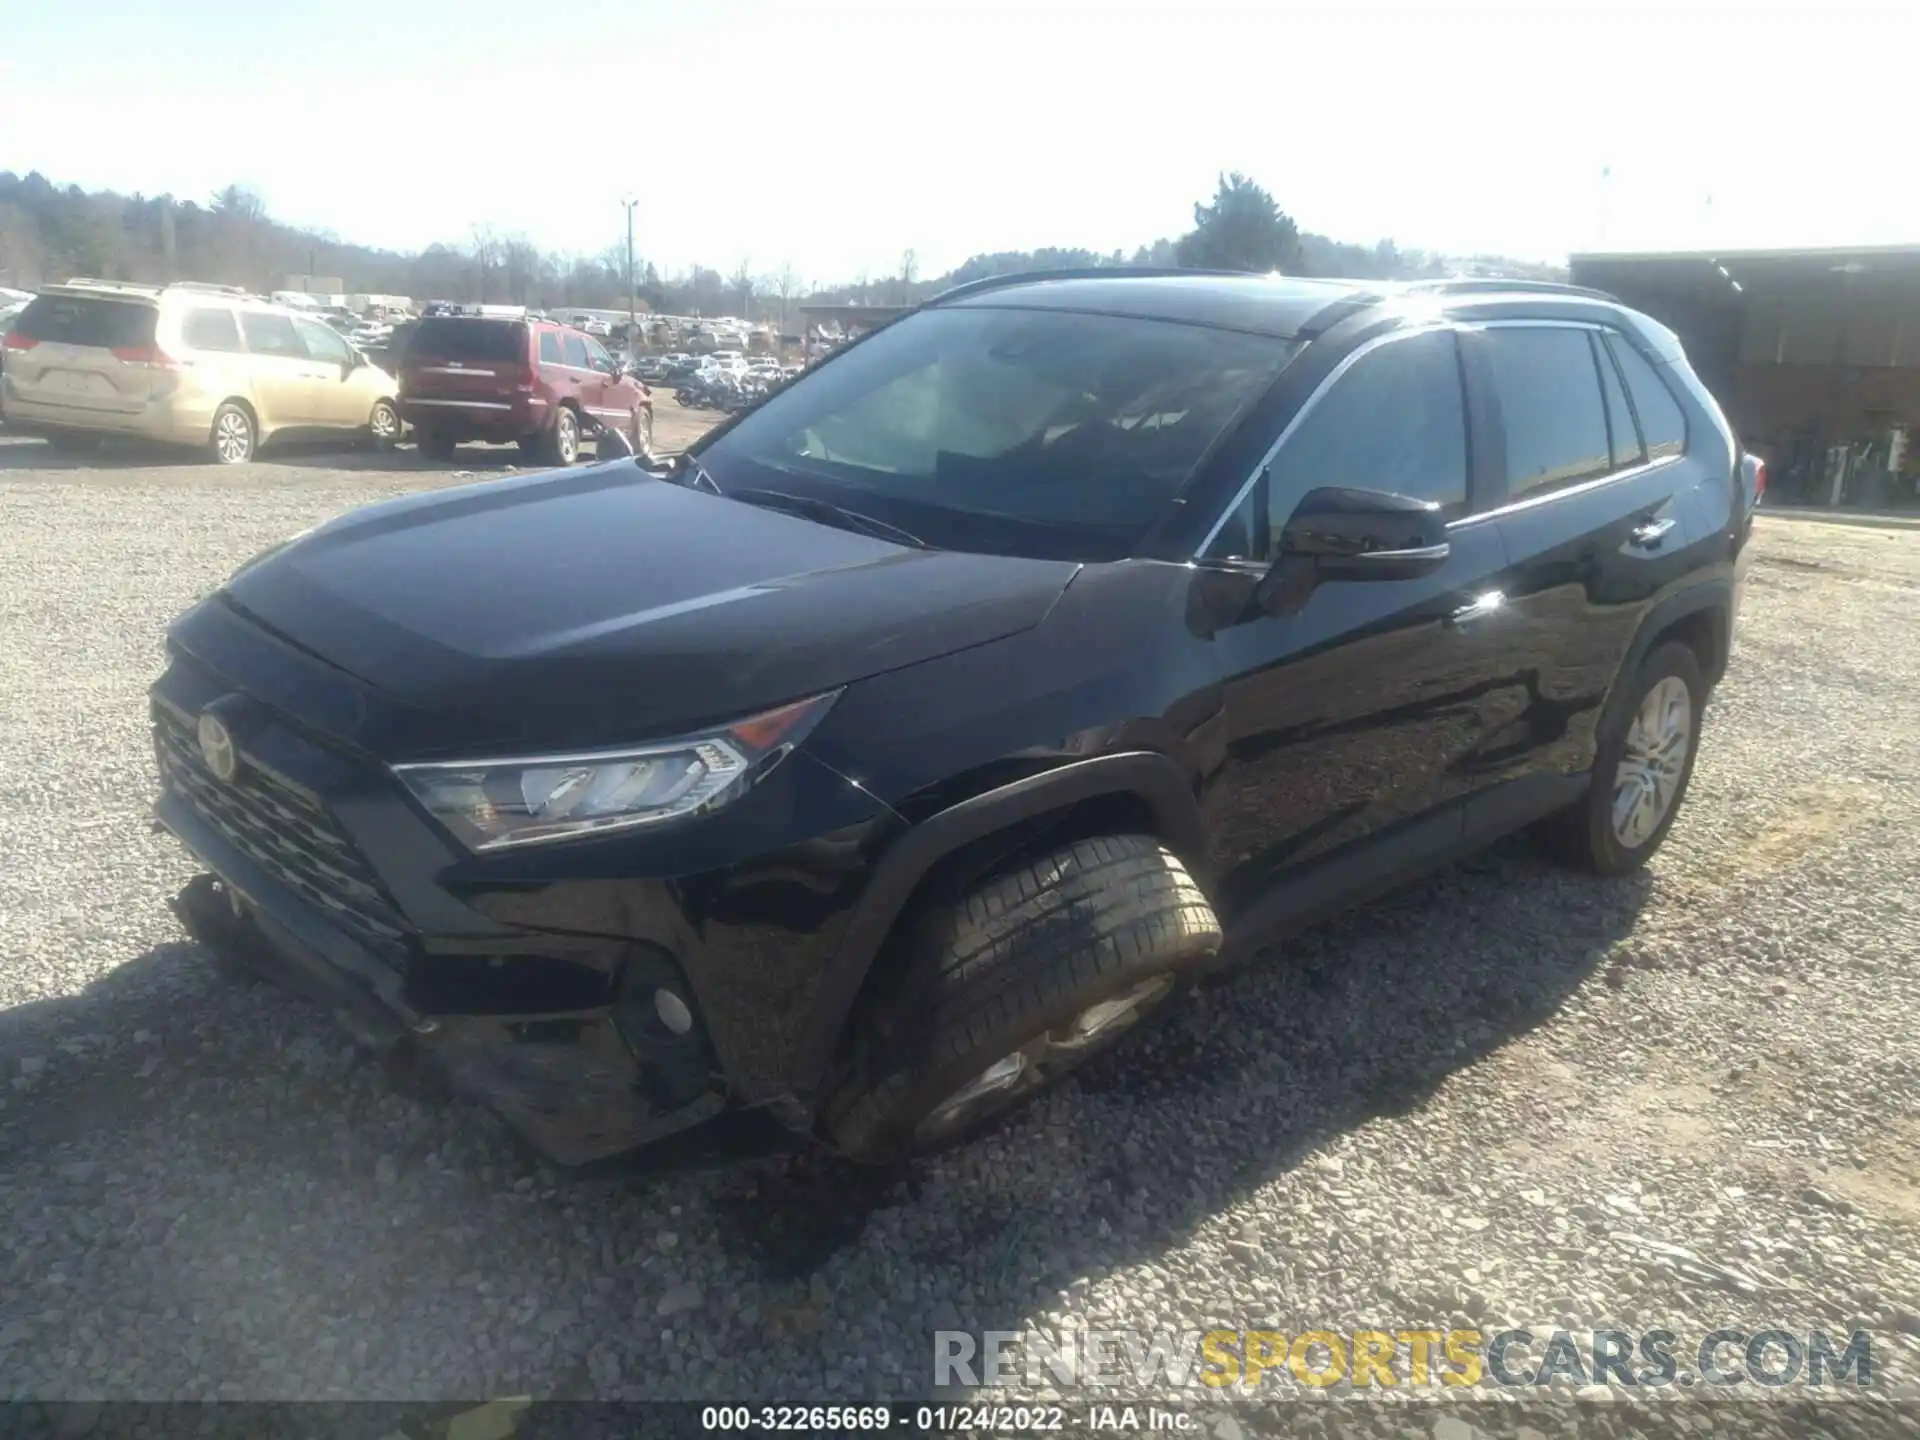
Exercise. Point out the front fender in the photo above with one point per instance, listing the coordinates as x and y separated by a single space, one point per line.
1154 779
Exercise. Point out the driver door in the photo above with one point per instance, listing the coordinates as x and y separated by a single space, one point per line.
1360 706
335 402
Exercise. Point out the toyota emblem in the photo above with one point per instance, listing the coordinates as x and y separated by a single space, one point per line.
216 748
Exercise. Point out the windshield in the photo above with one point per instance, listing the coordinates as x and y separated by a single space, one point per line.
1036 432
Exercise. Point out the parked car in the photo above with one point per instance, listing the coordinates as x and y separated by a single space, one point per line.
202 365
8 314
923 732
545 386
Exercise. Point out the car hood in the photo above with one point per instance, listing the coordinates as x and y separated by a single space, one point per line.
600 605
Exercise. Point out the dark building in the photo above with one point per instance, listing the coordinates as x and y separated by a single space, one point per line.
1815 355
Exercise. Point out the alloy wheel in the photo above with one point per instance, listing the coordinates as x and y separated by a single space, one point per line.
384 423
1043 1059
232 437
1648 776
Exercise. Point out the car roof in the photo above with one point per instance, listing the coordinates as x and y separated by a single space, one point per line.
1285 306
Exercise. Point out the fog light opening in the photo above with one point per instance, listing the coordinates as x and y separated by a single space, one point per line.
673 1011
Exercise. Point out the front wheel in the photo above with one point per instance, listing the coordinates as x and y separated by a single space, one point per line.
1017 984
383 425
234 437
1640 770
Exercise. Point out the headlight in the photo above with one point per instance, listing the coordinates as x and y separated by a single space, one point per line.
493 804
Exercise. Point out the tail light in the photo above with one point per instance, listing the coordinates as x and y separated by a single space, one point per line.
151 357
1759 481
20 342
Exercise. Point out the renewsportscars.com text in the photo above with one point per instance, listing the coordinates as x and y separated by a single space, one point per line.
1413 1358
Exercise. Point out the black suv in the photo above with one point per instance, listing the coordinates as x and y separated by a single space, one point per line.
925 727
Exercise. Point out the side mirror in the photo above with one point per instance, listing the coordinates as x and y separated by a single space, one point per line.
1366 535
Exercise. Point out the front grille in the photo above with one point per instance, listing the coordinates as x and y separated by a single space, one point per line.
285 831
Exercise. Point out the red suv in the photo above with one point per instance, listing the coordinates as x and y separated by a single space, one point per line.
543 385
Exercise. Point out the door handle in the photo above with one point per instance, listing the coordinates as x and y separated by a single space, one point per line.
1651 533
1481 606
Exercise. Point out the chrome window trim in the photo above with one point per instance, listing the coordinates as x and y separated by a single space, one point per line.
1515 505
1583 487
1353 358
1508 507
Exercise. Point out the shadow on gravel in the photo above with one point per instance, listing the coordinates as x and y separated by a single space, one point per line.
1360 1018
1318 1041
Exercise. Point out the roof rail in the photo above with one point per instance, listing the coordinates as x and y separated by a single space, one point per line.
88 282
209 287
1080 272
1479 284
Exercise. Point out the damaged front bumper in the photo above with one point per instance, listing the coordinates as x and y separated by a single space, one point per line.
580 1085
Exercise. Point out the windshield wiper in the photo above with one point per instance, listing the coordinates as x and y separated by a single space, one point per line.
829 513
690 466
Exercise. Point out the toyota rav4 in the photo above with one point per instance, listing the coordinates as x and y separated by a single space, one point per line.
925 729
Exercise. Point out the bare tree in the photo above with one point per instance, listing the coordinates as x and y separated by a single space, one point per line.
484 246
742 285
785 284
520 258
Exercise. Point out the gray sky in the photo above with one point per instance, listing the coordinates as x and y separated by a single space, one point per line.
834 134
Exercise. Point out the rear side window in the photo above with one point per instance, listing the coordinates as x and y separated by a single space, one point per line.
1550 401
1395 421
271 335
576 348
210 330
1620 426
550 348
84 320
1662 421
453 338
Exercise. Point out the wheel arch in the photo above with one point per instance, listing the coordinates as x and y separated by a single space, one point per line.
1700 617
945 852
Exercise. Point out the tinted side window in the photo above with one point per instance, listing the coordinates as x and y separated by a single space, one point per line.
576 350
1620 426
598 357
322 343
210 330
1556 421
1661 419
1396 421
550 348
271 335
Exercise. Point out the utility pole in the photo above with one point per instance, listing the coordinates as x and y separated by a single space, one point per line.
632 307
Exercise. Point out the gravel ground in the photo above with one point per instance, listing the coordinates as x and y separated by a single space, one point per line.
1511 1094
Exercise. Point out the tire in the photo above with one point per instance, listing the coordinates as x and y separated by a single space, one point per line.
1014 975
234 437
1587 835
563 437
643 431
383 425
435 444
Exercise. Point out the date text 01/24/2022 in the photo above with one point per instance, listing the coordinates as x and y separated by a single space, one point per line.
938 1419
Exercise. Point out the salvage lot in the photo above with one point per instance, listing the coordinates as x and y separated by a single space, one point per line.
1475 1102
